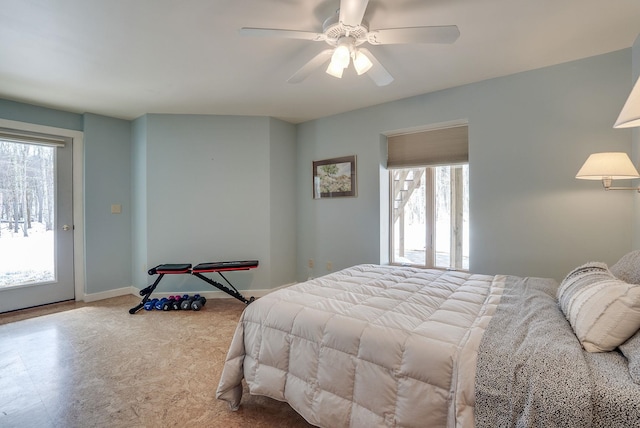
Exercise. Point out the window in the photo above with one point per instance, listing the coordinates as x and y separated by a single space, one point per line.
28 162
429 198
430 216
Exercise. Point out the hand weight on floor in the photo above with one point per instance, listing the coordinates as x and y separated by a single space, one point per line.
186 303
150 304
160 302
176 304
166 306
198 302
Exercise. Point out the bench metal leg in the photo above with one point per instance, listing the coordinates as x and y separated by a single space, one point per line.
146 292
230 291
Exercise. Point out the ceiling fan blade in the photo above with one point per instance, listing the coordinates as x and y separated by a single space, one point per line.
314 63
377 72
352 11
286 34
435 34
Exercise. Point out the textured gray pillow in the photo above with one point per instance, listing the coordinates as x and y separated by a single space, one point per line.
628 268
631 350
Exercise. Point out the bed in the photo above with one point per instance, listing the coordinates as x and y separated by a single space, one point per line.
397 346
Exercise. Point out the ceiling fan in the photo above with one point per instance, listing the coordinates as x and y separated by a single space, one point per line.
345 32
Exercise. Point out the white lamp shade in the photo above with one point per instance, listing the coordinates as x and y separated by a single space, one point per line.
335 70
613 165
341 56
361 63
339 60
630 114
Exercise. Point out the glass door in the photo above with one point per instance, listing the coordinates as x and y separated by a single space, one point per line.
36 213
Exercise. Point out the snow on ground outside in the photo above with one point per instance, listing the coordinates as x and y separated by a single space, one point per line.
26 260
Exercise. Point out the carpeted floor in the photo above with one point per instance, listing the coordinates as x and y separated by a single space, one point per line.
95 365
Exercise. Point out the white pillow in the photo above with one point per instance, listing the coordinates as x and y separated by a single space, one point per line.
603 311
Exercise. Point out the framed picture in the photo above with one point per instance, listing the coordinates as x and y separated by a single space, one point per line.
333 178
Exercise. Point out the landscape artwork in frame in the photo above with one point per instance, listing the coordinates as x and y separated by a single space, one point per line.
334 178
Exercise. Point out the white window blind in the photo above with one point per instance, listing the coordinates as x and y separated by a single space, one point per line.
445 146
26 137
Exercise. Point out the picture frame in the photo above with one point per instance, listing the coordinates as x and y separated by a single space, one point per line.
335 177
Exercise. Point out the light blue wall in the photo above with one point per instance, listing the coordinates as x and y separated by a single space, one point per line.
209 193
344 231
11 110
534 131
282 204
529 133
107 175
139 200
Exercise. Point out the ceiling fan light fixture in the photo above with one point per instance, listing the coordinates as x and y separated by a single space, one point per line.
341 56
361 62
335 70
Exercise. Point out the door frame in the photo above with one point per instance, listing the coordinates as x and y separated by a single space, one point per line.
78 194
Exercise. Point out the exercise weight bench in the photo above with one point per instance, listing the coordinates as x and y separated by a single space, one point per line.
197 271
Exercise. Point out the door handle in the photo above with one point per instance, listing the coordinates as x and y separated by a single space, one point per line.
66 227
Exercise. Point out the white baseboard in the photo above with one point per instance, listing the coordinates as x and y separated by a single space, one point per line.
278 288
109 294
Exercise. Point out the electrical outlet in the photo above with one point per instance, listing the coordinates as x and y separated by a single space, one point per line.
329 266
311 263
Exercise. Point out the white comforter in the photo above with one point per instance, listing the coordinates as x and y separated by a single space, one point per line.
367 346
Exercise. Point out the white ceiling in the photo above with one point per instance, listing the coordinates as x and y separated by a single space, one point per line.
125 58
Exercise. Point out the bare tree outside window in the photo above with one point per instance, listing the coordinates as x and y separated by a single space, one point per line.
430 220
26 213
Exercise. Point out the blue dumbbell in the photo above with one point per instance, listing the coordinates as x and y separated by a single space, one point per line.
160 302
150 304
